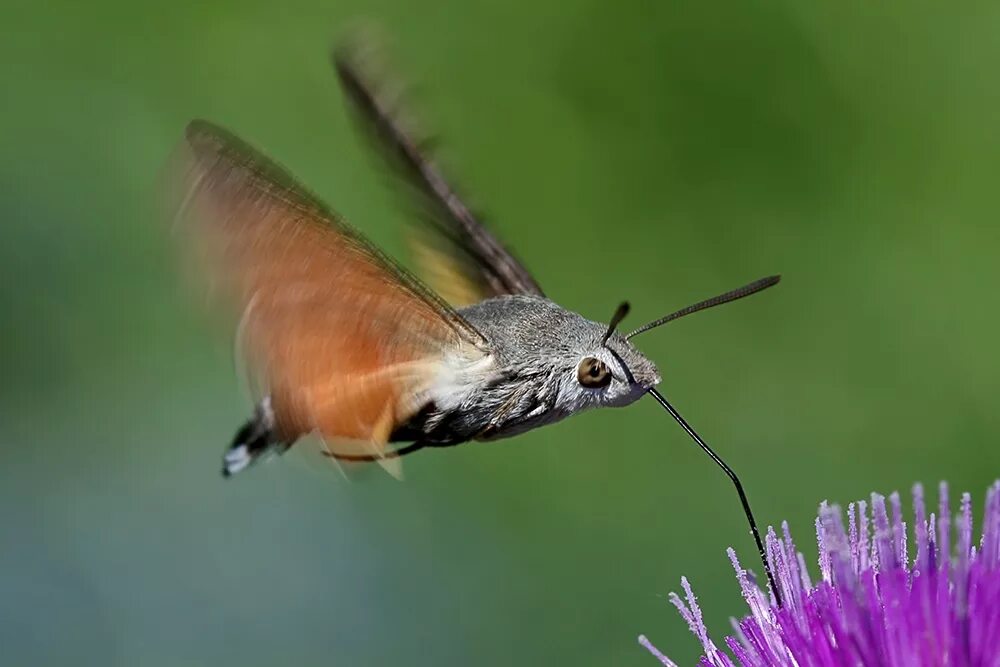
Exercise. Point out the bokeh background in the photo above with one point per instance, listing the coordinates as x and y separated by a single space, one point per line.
851 146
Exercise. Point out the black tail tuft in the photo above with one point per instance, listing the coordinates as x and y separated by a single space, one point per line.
252 440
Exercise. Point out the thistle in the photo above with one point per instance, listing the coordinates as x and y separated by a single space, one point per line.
874 604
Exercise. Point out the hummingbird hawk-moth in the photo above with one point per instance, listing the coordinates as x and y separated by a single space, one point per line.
350 346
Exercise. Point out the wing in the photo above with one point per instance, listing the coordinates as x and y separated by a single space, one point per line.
460 258
346 342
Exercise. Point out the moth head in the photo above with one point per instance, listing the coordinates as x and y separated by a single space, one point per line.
613 376
607 369
614 372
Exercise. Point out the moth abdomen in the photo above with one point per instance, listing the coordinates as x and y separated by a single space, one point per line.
433 427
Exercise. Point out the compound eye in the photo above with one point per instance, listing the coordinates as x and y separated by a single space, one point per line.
593 373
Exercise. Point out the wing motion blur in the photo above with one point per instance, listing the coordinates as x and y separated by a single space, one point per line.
346 342
459 257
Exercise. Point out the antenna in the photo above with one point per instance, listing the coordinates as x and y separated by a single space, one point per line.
733 295
616 319
736 482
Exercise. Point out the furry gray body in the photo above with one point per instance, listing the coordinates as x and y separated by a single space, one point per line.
535 347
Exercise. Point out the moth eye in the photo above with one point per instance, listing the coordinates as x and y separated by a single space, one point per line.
593 373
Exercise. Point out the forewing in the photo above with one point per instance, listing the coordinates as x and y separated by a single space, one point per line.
457 254
347 343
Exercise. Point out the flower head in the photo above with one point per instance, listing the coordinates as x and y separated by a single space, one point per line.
874 604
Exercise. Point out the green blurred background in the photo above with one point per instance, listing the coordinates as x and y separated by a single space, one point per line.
850 146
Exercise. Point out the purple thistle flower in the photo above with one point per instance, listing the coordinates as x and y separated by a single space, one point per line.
873 605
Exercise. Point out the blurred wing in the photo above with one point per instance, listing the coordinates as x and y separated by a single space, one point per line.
347 343
460 257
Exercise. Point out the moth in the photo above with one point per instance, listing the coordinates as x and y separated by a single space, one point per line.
348 345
